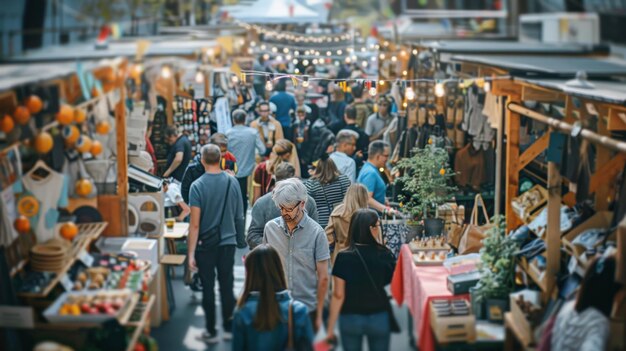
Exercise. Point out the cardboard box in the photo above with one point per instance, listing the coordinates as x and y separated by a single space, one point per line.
453 328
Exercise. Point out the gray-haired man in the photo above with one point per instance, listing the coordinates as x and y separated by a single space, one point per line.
302 245
345 147
264 209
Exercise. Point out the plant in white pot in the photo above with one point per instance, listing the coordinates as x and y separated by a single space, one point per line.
426 184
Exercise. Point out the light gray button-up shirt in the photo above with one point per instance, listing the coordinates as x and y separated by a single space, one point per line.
299 253
242 141
345 164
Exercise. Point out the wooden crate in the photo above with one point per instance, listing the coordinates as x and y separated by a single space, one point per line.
522 324
453 328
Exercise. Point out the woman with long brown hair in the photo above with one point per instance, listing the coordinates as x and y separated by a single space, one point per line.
327 187
339 222
264 180
262 315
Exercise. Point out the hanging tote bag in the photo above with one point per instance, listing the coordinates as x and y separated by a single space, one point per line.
394 232
471 241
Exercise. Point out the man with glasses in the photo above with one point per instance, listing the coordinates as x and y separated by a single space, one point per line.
345 148
302 245
264 209
378 122
378 155
269 128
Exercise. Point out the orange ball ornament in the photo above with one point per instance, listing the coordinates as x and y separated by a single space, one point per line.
103 128
22 224
83 144
21 115
7 124
69 231
96 148
43 142
34 104
442 171
71 134
83 187
65 115
80 115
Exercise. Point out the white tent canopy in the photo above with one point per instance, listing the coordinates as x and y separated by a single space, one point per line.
276 11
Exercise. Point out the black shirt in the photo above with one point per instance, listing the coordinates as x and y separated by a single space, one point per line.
183 145
360 295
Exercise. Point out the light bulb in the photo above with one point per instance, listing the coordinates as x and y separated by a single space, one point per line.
266 57
404 73
410 94
394 59
414 51
274 49
386 43
354 58
382 56
296 53
364 63
288 57
200 77
487 86
404 104
381 83
336 63
373 58
339 52
440 91
285 50
138 68
269 86
403 53
296 71
252 43
263 47
328 53
307 53
295 61
305 84
315 61
363 49
235 79
279 58
305 62
348 60
373 91
250 51
166 72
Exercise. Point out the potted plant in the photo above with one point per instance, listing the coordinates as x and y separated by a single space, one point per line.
426 185
497 270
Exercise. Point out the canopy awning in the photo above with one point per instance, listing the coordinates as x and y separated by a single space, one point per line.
276 11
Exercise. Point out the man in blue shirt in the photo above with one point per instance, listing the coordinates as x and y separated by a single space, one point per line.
285 104
378 154
242 142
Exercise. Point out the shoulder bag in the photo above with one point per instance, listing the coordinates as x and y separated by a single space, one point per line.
393 323
212 237
473 234
292 343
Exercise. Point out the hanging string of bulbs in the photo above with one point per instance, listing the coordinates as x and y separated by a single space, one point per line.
371 84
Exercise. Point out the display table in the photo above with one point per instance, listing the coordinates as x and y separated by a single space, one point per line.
416 286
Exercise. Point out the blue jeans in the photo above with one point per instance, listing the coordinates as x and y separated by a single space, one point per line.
353 327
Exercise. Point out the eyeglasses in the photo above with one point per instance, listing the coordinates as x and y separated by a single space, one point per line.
286 209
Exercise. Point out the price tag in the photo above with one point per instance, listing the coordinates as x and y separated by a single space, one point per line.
86 258
67 283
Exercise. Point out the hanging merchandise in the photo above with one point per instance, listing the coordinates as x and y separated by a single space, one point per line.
185 119
474 122
50 188
222 115
159 123
204 122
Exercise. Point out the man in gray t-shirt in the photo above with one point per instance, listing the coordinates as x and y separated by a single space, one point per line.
207 199
302 246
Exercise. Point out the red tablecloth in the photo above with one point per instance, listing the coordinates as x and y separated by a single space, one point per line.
416 286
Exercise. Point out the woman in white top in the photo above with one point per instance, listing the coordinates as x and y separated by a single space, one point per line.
583 324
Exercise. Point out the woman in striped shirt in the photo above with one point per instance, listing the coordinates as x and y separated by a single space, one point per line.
327 187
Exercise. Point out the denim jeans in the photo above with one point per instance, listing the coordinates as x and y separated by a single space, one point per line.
353 327
222 259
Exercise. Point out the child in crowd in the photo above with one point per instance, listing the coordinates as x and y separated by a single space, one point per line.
229 162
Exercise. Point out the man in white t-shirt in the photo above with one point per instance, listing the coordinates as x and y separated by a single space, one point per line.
173 201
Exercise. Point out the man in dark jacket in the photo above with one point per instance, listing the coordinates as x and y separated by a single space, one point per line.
193 172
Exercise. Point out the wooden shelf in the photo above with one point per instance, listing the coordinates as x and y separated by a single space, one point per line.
534 274
87 233
140 324
509 323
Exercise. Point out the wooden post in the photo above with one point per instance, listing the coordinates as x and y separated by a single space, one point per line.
553 230
603 155
122 159
512 120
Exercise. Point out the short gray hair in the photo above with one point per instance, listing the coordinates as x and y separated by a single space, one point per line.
289 192
377 147
211 154
284 170
346 135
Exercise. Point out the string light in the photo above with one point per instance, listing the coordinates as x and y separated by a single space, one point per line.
286 50
263 47
269 86
410 94
381 83
200 77
414 51
348 60
305 62
253 43
328 53
288 57
235 79
373 58
440 91
296 53
296 71
315 61
266 57
394 59
404 73
295 61
274 49
305 81
279 58
166 72
363 49
339 52
373 91
364 64
382 56
307 53
336 63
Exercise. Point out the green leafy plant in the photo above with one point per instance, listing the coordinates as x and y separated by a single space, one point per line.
426 181
497 266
